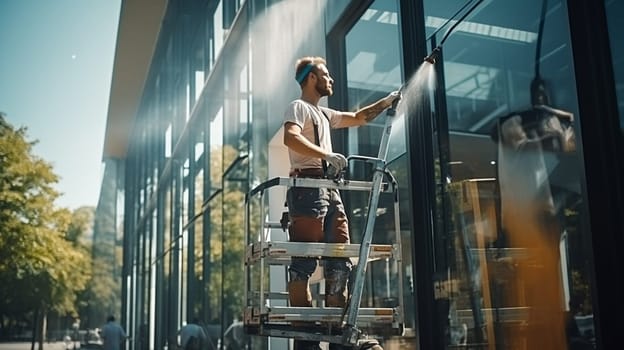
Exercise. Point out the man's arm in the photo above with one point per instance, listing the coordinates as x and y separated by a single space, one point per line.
123 334
368 113
296 142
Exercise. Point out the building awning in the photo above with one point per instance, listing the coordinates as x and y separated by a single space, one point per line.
139 26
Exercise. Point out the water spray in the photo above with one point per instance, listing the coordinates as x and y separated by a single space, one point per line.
432 57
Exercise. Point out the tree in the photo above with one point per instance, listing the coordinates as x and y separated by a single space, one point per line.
40 269
95 298
80 230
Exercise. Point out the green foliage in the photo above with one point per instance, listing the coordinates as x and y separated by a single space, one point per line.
98 298
80 228
39 267
227 240
233 255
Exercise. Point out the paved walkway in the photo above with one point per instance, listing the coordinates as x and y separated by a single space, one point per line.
26 346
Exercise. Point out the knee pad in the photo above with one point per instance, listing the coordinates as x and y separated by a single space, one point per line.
337 264
336 281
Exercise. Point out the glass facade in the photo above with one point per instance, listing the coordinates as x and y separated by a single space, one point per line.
513 262
496 230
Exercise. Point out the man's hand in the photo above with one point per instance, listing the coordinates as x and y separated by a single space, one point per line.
371 112
336 160
394 95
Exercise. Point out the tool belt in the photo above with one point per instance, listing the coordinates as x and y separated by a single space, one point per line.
314 173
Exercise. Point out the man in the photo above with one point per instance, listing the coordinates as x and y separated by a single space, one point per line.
112 335
192 336
318 215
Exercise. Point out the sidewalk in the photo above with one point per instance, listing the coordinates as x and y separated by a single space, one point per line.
26 346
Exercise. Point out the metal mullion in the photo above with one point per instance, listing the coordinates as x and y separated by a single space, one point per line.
421 182
602 179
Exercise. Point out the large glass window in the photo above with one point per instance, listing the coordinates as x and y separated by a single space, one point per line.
373 69
235 180
512 260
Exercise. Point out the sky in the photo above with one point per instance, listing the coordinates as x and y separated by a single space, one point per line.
56 61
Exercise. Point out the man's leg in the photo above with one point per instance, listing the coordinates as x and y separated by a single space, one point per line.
302 229
336 280
337 270
300 271
299 295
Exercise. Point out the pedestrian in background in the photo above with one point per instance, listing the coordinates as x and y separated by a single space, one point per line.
113 335
192 336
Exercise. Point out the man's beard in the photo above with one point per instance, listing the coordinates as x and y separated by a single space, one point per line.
323 91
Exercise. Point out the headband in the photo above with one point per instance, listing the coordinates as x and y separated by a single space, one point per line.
304 72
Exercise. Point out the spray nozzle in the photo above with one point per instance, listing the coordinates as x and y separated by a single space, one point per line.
433 56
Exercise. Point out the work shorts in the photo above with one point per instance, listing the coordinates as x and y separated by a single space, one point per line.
317 215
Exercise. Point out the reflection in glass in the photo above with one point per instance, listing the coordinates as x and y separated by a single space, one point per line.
213 286
218 32
511 263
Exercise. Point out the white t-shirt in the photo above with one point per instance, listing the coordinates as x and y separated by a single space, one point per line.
305 115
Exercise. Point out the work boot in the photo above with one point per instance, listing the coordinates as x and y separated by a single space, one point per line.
336 296
299 295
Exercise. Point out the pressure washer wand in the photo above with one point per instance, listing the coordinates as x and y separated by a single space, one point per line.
392 110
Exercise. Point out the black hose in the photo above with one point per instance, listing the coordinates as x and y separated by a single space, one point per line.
449 20
448 32
436 51
539 94
540 32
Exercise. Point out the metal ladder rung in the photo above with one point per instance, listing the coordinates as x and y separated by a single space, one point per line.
365 311
500 315
282 251
287 331
273 224
366 316
269 295
493 254
347 185
283 296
